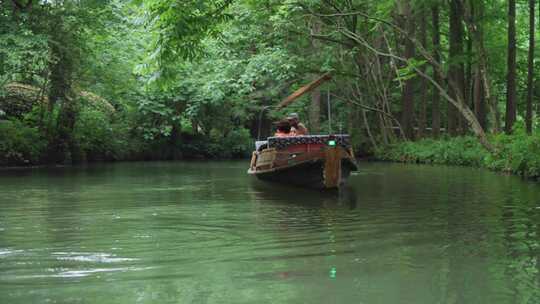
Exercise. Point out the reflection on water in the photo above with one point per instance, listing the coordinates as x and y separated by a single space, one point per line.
205 232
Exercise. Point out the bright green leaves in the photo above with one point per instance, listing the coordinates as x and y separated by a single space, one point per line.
159 112
409 71
23 56
181 25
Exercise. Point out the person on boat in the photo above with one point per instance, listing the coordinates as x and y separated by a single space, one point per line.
297 128
283 129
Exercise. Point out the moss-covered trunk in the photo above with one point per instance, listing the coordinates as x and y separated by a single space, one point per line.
61 141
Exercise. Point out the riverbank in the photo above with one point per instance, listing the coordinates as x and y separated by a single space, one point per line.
26 146
517 154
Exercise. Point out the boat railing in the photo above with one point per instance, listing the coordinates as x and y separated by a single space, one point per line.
342 140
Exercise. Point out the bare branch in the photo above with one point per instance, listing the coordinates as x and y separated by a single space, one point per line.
459 104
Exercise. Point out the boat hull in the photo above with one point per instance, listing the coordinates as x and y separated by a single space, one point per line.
309 174
321 162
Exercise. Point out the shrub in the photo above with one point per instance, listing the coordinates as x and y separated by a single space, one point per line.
236 144
518 153
20 144
463 151
100 139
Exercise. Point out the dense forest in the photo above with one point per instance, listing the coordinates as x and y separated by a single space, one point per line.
451 82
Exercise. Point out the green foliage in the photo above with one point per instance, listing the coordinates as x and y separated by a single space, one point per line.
517 153
98 138
463 151
20 144
182 25
23 56
159 114
236 144
187 78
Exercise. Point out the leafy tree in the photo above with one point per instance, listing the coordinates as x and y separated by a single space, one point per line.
193 77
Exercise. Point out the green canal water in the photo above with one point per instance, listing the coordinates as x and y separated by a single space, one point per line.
204 232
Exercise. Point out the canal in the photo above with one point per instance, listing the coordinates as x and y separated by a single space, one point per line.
204 232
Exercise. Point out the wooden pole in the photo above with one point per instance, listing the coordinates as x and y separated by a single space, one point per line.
303 90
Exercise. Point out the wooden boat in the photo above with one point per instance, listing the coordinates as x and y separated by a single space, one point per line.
317 161
320 161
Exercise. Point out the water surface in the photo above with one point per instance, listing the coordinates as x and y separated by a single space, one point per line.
203 232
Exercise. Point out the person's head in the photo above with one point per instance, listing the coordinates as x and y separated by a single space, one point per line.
284 126
293 119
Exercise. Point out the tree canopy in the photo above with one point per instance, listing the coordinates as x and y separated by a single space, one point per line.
190 78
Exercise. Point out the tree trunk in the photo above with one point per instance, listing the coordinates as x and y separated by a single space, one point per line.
530 72
422 121
475 26
368 130
456 70
315 106
468 83
458 103
435 107
475 32
63 144
479 98
511 76
61 141
407 98
315 111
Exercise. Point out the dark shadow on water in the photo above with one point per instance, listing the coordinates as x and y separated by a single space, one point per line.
345 197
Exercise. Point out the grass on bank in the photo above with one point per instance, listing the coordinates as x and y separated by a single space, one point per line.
517 153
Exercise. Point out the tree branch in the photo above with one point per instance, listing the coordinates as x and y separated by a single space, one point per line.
20 6
368 108
459 104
